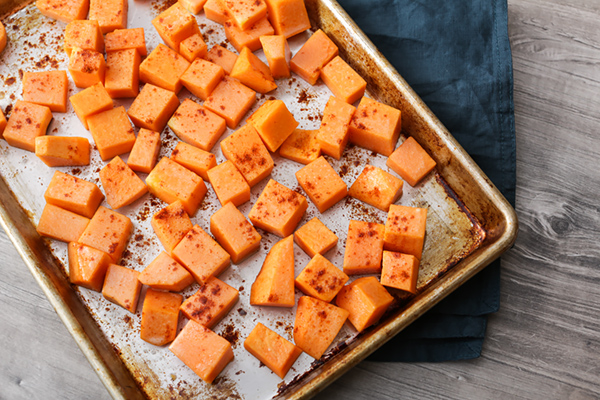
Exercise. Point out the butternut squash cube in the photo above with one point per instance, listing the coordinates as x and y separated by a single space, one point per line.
233 231
90 101
376 187
201 255
46 88
210 303
411 161
333 133
60 224
289 17
164 273
27 122
321 279
245 13
112 132
366 300
345 83
171 224
121 185
170 182
316 52
63 10
273 122
73 194
202 77
271 349
248 153
153 107
122 287
125 39
375 126
84 34
145 151
315 238
405 230
193 47
108 231
163 67
229 184
110 14
317 324
205 352
194 159
221 56
174 25
274 285
3 41
214 11
278 209
400 271
364 247
252 72
196 125
278 54
250 37
122 77
87 266
2 123
231 100
160 314
322 184
61 151
301 146
87 67
193 6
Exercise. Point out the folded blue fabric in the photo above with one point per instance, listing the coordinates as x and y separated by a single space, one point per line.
456 56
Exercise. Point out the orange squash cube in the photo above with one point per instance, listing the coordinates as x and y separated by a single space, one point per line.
278 209
60 224
110 14
271 349
46 88
289 17
174 25
214 11
193 47
321 279
84 34
160 314
250 37
194 159
171 224
121 185
322 184
2 123
122 77
164 273
90 101
405 230
248 153
400 271
233 231
301 146
317 324
210 303
26 122
61 151
231 100
205 352
221 56
278 54
73 194
312 56
145 151
87 67
125 39
375 126
315 238
193 6
87 266
229 184
252 72
153 107
201 255
196 125
163 67
345 83
122 287
108 231
376 187
170 182
364 247
411 161
202 77
273 122
333 133
245 13
366 300
63 10
112 132
274 285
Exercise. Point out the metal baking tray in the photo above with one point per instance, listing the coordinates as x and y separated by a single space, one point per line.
469 222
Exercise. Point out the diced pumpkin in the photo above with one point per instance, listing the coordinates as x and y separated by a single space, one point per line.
210 303
110 14
122 287
333 133
197 125
121 185
345 83
160 314
321 279
85 34
2 123
124 39
164 273
90 101
271 349
274 285
60 224
73 194
400 271
250 37
252 72
214 11
366 300
163 67
47 88
411 161
112 132
193 6
273 122
223 57
315 238
364 247
27 122
122 73
145 151
405 230
229 184
277 52
289 17
3 41
231 100
87 266
376 187
233 231
63 10
153 107
375 126
193 47
316 52
174 25
194 159
170 225
87 67
245 13
108 231
322 184
61 151
301 146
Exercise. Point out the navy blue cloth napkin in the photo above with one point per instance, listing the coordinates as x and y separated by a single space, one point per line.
456 56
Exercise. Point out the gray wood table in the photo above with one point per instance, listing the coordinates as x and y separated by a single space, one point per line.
545 341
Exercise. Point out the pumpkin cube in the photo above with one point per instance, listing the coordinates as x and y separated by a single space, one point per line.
322 184
46 88
197 125
316 52
90 101
252 72
364 247
375 126
210 303
73 194
231 100
153 107
366 300
122 77
321 279
333 133
164 273
278 54
170 225
121 185
274 285
229 184
214 10
110 14
60 224
273 122
193 47
400 271
112 132
63 10
122 287
87 67
405 230
376 187
245 13
175 24
27 122
87 266
315 238
202 77
163 67
145 151
2 123
61 151
289 17
233 231
250 37
345 83
194 159
84 34
301 146
160 314
125 39
411 162
193 6
271 349
223 57
108 231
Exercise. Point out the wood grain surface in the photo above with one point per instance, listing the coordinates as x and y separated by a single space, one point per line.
544 343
